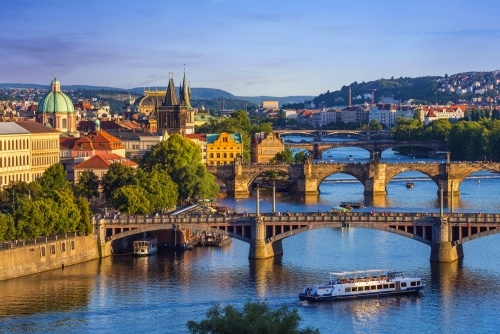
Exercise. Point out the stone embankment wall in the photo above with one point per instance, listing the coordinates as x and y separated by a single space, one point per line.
53 254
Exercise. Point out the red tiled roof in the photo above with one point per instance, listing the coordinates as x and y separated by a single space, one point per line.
199 136
103 161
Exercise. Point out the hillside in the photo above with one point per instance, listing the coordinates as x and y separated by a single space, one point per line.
423 90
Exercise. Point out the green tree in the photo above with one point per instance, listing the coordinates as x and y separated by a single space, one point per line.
68 212
84 225
54 178
195 182
174 153
88 184
162 191
131 199
300 157
7 227
286 156
118 175
374 125
254 318
28 218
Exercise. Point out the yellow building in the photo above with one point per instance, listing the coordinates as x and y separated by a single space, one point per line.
27 149
223 148
265 146
270 105
44 144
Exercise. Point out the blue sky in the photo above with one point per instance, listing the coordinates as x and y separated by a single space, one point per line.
245 47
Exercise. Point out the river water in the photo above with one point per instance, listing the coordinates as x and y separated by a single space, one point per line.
159 294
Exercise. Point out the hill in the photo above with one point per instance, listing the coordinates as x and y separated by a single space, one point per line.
423 90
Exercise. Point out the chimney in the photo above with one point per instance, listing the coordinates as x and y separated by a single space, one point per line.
350 97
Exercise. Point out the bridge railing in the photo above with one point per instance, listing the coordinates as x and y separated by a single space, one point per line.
301 217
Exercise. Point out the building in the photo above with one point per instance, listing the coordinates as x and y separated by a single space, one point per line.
27 149
44 145
274 105
223 148
138 142
201 141
176 115
99 165
56 110
15 160
323 118
265 146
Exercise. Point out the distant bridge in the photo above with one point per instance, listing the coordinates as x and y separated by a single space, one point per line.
374 147
306 178
444 234
318 134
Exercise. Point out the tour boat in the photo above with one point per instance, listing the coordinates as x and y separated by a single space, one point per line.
145 246
362 284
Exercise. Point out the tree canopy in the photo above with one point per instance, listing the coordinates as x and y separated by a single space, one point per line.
254 318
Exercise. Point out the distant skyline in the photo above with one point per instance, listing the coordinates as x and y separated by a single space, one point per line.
247 48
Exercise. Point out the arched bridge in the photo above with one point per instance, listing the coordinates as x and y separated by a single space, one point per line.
318 134
445 234
318 148
306 178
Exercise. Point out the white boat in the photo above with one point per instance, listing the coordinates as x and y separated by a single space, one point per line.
145 246
362 284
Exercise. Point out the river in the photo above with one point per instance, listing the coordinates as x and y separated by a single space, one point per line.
159 294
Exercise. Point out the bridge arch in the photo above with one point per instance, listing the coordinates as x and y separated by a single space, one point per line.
340 171
158 227
338 224
411 168
283 169
476 236
481 168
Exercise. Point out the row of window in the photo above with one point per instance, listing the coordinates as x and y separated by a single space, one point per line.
219 163
14 144
52 248
380 286
45 144
14 161
44 161
224 155
13 178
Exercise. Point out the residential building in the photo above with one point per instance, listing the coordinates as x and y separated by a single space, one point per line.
99 164
223 148
270 105
137 143
15 159
265 146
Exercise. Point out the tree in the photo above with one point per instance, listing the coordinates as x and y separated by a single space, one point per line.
54 178
131 199
174 153
68 213
300 157
162 191
84 225
7 228
118 175
88 184
374 125
254 318
286 156
195 182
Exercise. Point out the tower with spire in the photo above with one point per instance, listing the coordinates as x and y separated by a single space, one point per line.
175 115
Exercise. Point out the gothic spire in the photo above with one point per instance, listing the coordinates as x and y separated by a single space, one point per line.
171 96
186 93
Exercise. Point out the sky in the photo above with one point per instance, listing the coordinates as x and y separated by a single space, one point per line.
248 48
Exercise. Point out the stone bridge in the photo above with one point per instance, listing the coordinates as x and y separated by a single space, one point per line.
318 134
374 147
445 234
306 178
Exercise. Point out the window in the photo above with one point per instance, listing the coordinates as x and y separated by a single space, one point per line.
354 288
211 155
225 155
42 251
391 285
386 286
52 249
413 284
347 289
63 246
72 244
403 284
361 288
374 287
218 155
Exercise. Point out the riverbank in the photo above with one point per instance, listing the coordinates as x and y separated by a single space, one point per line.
53 253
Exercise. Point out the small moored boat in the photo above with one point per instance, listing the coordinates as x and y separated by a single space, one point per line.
145 246
362 284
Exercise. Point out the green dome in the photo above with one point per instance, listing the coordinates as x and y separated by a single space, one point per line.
55 101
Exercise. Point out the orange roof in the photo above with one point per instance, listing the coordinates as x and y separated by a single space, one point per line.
103 161
199 136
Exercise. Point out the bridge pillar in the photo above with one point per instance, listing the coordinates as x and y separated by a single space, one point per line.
306 184
317 153
449 185
441 248
100 232
238 187
259 249
375 183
